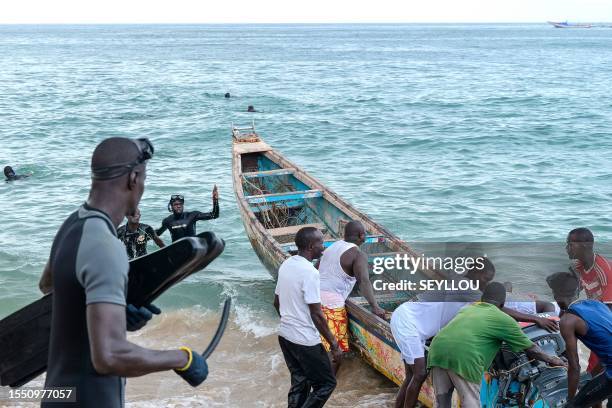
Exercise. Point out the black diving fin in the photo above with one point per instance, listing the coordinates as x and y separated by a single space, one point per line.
220 329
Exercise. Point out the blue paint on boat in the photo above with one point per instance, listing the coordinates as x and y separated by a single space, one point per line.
281 172
371 239
259 199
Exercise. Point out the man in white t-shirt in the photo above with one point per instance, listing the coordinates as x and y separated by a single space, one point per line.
297 300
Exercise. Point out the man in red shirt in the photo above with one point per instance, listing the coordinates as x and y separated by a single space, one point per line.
594 271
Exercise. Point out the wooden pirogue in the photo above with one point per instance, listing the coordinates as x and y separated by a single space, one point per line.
276 198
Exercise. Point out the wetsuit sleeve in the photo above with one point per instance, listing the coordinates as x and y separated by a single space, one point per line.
201 216
101 265
150 232
162 229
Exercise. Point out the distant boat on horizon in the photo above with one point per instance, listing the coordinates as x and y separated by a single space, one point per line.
565 24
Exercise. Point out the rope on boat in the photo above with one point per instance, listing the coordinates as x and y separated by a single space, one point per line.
279 214
276 214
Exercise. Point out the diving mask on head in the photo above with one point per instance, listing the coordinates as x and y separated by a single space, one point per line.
173 198
145 152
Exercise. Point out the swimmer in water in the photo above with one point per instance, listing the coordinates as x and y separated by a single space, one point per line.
10 175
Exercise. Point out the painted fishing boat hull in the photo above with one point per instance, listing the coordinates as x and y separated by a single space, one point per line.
259 173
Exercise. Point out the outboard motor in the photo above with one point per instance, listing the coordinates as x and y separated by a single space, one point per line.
514 381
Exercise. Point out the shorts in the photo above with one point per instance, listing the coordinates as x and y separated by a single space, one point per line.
445 381
593 363
410 343
596 390
337 321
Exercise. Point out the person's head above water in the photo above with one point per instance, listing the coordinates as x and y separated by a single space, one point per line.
251 108
227 95
565 287
9 173
176 204
579 244
118 173
482 271
495 294
309 241
354 232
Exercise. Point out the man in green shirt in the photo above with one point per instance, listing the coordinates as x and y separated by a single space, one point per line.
465 348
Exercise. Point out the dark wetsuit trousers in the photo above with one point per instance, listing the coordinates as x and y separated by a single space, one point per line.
596 390
312 379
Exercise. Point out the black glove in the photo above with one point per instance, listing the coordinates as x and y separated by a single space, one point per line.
136 319
196 370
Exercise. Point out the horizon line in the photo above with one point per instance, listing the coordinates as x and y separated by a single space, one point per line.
300 23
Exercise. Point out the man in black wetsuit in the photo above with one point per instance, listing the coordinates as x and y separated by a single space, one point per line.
87 272
182 223
10 175
135 236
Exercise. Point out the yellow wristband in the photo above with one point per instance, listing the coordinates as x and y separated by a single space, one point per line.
189 352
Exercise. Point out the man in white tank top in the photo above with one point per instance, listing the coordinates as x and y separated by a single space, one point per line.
341 266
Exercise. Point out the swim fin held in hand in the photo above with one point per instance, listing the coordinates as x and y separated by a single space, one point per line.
220 329
137 318
196 369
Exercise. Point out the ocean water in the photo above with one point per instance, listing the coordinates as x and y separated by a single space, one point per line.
439 132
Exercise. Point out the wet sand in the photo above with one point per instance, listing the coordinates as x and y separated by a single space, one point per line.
246 370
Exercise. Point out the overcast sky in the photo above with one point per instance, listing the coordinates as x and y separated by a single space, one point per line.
300 11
